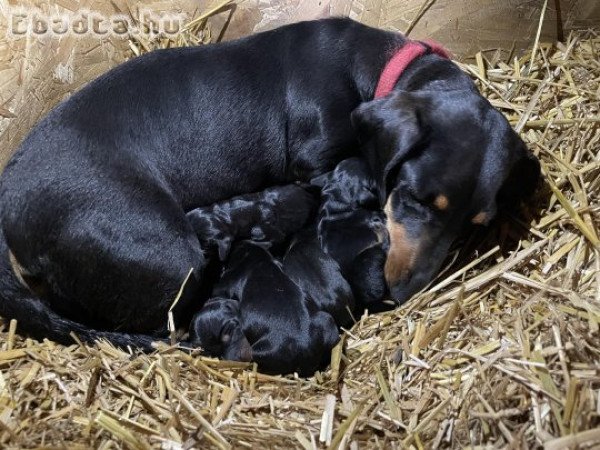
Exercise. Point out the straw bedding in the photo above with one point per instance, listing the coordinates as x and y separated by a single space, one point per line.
502 350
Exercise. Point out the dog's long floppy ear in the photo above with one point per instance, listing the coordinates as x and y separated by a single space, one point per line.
522 178
510 171
388 129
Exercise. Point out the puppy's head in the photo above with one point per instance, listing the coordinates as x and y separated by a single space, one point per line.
442 160
348 187
216 328
349 219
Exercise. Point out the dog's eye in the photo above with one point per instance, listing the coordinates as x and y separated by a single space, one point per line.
439 202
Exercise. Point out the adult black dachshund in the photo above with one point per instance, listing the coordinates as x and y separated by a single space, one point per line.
93 203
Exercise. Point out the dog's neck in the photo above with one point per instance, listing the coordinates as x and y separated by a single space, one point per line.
401 59
426 72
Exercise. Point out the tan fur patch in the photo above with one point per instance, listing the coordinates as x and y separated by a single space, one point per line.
441 202
402 252
480 218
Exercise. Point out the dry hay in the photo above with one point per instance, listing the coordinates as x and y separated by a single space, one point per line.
501 352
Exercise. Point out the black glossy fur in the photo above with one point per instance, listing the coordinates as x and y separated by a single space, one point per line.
351 229
435 137
93 203
270 310
269 217
279 314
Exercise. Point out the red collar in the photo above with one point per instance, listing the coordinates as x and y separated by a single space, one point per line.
400 61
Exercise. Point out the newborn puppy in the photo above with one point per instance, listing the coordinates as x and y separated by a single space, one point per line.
269 216
259 313
319 276
351 228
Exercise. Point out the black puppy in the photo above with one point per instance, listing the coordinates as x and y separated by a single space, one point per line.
93 203
274 313
268 217
351 229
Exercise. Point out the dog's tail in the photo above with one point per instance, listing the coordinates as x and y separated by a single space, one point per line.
35 318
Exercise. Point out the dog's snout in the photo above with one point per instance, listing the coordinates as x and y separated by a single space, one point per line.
417 249
238 347
412 283
402 250
245 351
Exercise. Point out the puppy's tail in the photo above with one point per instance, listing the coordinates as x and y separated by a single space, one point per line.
35 318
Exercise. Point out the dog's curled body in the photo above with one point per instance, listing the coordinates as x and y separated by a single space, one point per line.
93 202
92 205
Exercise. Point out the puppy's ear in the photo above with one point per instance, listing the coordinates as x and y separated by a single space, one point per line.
388 129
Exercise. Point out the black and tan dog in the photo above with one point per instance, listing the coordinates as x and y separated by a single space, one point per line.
93 203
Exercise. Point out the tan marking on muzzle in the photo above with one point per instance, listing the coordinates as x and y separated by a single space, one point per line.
441 202
479 219
402 253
